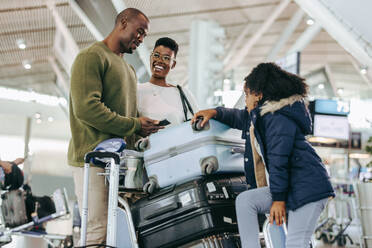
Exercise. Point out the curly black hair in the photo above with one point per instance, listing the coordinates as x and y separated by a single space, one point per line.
274 83
167 42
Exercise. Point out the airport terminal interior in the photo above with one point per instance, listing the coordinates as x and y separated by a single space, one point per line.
155 199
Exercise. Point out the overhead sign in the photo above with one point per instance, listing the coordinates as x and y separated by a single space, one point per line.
331 126
332 107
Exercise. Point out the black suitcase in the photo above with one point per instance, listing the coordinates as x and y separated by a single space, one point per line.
187 212
13 208
224 240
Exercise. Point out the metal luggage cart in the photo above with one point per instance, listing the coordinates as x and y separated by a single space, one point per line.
333 227
113 200
363 192
61 203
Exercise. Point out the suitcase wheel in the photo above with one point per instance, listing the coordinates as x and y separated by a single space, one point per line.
209 165
150 186
197 124
141 144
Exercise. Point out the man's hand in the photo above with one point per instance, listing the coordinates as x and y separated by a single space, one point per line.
7 166
277 213
19 161
206 114
148 126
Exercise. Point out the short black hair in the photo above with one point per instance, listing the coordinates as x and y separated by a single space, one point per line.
274 83
129 14
167 42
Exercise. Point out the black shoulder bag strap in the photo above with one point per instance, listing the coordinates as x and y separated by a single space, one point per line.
185 103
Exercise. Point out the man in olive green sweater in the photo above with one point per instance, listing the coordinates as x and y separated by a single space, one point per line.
102 106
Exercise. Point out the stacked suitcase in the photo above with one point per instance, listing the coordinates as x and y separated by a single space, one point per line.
199 174
178 154
200 210
196 173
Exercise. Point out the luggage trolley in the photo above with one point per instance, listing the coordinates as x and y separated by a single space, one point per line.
113 200
22 229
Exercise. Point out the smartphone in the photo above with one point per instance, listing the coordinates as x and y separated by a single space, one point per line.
164 122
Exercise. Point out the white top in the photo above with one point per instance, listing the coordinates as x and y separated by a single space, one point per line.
161 103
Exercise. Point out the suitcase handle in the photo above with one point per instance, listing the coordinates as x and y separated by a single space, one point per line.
163 210
97 154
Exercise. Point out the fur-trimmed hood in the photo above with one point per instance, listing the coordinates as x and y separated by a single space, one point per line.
294 107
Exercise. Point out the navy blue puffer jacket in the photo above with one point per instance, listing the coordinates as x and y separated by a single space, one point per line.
296 173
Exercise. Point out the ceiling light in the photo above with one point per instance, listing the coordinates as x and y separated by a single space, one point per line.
21 44
226 81
26 64
26 96
340 91
321 86
363 70
50 119
310 21
37 115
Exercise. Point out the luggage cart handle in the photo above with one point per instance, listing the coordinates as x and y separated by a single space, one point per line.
98 154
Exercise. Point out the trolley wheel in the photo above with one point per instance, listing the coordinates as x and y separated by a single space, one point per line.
341 240
324 238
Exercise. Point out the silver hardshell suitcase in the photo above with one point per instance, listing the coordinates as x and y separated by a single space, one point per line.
177 154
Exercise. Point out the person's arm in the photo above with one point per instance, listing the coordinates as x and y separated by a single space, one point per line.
235 118
86 95
279 140
7 166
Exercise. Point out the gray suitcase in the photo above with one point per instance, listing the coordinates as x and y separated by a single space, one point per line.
224 240
14 208
177 154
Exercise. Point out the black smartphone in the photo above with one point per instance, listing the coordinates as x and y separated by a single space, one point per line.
164 122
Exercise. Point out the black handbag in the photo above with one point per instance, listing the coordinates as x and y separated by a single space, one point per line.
185 103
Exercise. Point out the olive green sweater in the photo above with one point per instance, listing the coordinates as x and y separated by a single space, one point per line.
103 102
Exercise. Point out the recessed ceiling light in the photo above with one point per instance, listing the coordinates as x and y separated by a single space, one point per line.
26 64
363 70
37 115
310 21
340 91
50 119
21 44
321 86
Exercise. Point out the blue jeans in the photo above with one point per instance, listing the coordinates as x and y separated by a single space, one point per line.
301 222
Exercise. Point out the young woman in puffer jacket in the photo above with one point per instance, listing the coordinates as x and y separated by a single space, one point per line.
282 168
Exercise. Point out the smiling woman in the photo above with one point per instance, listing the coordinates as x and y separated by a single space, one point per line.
157 98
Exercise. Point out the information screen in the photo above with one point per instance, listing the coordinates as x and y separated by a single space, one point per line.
331 126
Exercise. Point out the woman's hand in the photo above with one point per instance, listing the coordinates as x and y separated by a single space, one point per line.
206 114
277 213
